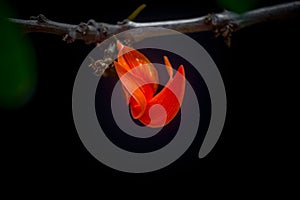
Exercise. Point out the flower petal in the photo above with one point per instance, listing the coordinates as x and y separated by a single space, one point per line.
170 98
168 66
133 89
133 80
140 81
130 58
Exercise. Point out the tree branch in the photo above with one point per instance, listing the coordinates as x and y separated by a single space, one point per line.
223 24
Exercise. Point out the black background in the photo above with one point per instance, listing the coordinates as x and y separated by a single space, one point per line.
259 71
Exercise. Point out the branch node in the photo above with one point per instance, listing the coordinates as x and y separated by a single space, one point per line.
82 28
212 19
223 24
92 22
67 38
100 29
226 32
40 18
124 22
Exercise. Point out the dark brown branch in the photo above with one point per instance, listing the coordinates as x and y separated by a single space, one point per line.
224 24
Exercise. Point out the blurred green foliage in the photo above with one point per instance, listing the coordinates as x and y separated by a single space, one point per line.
17 64
238 6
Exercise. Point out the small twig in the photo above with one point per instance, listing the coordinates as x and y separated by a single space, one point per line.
223 24
136 12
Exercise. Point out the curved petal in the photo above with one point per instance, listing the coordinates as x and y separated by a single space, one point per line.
133 89
130 58
133 80
168 66
170 98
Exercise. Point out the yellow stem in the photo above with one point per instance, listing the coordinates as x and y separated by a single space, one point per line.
137 11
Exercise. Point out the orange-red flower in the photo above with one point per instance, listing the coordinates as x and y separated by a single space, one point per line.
140 81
